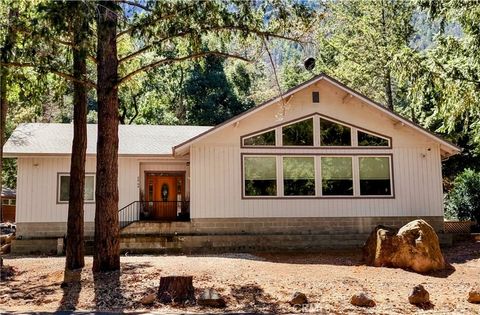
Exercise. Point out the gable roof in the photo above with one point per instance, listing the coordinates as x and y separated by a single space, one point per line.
446 146
134 140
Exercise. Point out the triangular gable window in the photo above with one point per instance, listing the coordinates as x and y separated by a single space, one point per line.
263 139
369 140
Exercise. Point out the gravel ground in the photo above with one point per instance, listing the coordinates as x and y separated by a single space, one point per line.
250 283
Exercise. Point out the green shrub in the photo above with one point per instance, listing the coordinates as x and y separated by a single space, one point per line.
463 201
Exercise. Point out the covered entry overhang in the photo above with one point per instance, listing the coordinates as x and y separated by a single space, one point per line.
163 191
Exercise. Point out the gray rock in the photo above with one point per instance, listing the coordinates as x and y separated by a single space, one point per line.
474 295
362 300
419 296
211 298
298 298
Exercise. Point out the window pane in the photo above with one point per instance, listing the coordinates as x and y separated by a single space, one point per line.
298 176
333 134
89 192
64 187
5 202
366 139
13 202
300 133
375 176
89 188
266 138
337 176
260 176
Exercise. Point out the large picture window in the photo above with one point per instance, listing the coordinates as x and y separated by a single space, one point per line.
260 176
375 176
298 176
64 188
298 134
337 176
334 134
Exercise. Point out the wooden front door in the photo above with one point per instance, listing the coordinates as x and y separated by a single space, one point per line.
164 195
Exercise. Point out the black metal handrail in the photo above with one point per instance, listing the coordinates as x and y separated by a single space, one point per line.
153 210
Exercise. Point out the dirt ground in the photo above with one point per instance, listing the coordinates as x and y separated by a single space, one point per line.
249 283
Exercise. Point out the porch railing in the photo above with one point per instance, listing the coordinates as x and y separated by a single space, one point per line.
154 210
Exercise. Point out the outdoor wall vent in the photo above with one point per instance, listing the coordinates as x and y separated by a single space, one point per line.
315 97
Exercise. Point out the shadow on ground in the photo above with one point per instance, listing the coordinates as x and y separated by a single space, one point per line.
108 291
253 299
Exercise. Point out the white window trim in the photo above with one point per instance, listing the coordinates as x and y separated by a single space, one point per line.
282 192
389 144
257 134
352 132
59 175
353 177
313 118
244 195
318 176
390 164
278 129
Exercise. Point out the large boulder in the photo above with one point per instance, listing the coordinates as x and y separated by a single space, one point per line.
415 246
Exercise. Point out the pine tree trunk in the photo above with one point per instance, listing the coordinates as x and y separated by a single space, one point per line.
5 54
107 243
75 246
389 90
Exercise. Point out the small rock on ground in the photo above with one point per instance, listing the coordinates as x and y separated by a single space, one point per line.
419 296
148 299
211 298
362 300
474 295
298 298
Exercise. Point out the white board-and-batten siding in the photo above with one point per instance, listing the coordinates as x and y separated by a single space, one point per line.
216 168
37 187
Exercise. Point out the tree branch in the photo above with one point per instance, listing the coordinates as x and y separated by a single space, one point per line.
135 4
70 44
87 83
263 34
179 59
134 54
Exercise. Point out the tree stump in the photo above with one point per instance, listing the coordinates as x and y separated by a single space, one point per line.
177 289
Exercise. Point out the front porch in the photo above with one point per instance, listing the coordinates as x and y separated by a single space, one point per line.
163 192
155 211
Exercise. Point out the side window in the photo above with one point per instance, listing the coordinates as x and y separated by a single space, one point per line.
266 139
369 140
334 134
375 176
298 134
298 176
337 176
260 176
64 188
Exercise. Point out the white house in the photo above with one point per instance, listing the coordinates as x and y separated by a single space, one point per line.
320 160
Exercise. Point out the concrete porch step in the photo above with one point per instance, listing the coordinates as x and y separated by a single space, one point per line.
157 227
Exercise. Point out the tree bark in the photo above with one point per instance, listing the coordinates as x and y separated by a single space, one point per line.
388 89
107 244
75 246
177 289
6 53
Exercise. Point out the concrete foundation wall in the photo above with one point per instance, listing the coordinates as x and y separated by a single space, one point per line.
217 235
